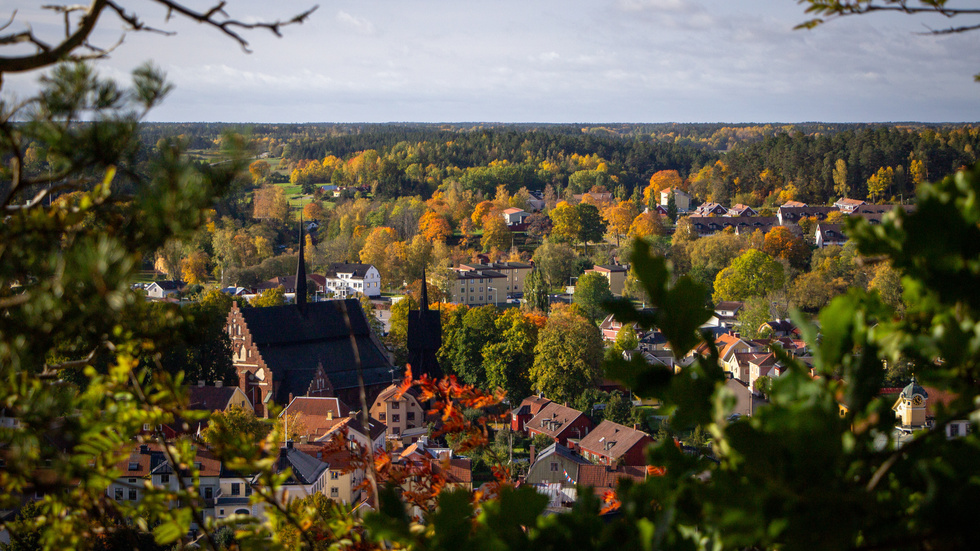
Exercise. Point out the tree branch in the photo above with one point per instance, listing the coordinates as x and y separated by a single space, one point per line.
45 57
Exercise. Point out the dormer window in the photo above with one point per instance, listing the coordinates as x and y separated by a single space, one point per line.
134 466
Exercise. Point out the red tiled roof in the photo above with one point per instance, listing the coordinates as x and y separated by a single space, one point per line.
553 419
612 440
601 476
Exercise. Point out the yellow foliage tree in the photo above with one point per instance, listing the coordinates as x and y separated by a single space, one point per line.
659 181
482 209
565 222
194 268
434 227
646 225
620 217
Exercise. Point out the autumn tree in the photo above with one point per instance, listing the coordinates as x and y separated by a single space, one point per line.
647 225
661 180
753 274
434 227
271 204
780 242
879 183
568 355
496 234
275 296
313 211
566 224
619 217
482 209
592 227
259 170
377 251
841 187
194 268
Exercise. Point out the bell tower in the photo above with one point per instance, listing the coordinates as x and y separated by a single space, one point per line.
910 408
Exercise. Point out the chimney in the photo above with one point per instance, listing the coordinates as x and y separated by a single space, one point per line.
289 444
330 415
219 383
532 450
636 426
144 448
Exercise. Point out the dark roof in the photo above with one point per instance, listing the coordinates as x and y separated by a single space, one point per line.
210 398
729 305
610 267
531 405
294 343
612 439
794 214
558 449
477 274
317 406
831 232
912 389
306 469
170 284
357 270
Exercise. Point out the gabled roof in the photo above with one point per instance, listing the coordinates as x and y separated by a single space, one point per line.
210 398
306 469
604 478
169 284
531 405
317 406
610 268
612 440
388 394
729 305
553 419
562 451
513 210
357 270
831 233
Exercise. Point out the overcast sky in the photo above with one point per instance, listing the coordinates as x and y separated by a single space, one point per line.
548 61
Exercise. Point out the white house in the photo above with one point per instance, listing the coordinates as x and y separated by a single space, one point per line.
345 279
164 289
514 216
681 198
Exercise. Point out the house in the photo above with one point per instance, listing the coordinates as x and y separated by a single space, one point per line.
613 444
747 402
742 225
848 206
616 275
345 279
514 275
477 287
217 397
681 198
164 289
399 413
788 215
778 328
910 407
528 408
794 204
281 352
320 419
710 209
742 210
595 198
514 216
829 234
555 464
610 328
345 471
559 423
726 314
236 291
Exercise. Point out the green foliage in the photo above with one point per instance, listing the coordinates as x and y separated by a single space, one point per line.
270 297
753 274
591 293
536 292
592 225
753 314
567 356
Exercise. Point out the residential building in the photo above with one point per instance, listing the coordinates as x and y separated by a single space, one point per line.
726 314
791 215
528 408
559 423
347 279
616 275
321 419
217 397
710 209
399 413
613 444
477 287
555 464
742 210
848 206
829 234
681 198
514 216
742 225
514 275
164 289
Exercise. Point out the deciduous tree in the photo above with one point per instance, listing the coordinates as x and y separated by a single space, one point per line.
591 291
753 274
568 355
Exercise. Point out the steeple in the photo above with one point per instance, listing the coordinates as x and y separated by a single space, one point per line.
301 268
424 298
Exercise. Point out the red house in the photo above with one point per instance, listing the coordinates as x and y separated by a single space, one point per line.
614 444
560 423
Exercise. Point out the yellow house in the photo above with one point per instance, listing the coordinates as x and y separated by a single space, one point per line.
616 275
910 407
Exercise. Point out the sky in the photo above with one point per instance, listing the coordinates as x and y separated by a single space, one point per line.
567 61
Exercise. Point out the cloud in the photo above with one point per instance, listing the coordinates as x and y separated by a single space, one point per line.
358 24
679 6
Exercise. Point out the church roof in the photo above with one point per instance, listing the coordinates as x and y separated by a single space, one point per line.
294 342
912 389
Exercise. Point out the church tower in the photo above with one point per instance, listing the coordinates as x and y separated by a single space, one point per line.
910 408
424 336
301 269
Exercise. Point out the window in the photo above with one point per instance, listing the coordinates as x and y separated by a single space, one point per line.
248 489
334 475
133 466
954 429
221 512
132 494
245 512
208 492
395 405
334 492
382 416
396 431
236 489
146 426
395 418
554 466
164 479
132 481
119 494
410 416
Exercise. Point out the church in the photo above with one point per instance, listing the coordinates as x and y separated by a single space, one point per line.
306 349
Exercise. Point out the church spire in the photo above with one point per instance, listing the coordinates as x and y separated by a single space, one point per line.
424 295
301 268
